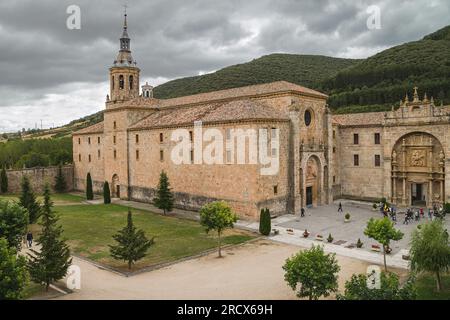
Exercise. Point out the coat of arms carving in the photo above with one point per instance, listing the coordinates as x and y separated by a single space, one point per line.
418 158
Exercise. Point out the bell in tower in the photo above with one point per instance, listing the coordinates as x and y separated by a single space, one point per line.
124 74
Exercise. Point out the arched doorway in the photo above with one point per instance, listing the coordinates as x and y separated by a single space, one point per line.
312 182
115 190
418 170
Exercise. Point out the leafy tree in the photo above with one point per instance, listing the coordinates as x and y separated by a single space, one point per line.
106 193
164 196
60 181
13 272
28 200
3 181
217 216
430 251
356 288
132 244
265 223
51 263
13 223
313 272
89 191
383 231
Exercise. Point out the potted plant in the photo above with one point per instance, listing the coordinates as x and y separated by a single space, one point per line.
359 244
319 237
330 238
290 231
347 217
374 207
376 248
305 234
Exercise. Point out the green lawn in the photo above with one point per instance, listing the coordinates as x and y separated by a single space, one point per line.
58 199
426 288
89 229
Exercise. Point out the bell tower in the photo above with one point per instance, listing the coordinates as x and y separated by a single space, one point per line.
124 73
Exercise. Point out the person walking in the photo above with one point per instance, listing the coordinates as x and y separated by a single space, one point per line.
302 212
340 208
30 239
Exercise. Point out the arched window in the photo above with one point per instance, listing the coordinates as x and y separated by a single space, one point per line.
131 82
112 82
121 82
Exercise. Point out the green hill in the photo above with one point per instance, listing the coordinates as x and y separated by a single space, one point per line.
382 80
305 70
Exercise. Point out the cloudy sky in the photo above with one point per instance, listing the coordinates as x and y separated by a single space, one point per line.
56 75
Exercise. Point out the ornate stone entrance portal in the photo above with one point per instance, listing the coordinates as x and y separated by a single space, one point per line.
312 182
418 171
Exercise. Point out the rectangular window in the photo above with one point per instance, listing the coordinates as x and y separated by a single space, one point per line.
137 138
377 138
115 125
274 133
89 157
89 140
334 149
191 136
192 156
79 140
98 140
377 160
98 154
275 190
228 156
356 160
161 137
355 138
115 154
228 134
161 155
114 139
334 179
137 154
334 134
79 157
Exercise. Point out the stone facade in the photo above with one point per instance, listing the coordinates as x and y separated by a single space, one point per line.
38 178
322 157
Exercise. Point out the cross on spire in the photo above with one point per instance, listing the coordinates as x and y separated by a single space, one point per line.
125 15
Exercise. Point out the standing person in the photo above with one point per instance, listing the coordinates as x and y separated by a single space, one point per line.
302 212
422 213
430 214
30 239
340 208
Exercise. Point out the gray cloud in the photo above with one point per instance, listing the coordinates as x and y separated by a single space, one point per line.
174 38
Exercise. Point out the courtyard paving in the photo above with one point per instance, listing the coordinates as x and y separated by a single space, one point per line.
326 220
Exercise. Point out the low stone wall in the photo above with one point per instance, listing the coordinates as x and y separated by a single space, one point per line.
38 178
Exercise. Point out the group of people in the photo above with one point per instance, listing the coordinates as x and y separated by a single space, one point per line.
412 214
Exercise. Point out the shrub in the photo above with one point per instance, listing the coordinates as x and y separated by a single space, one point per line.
106 193
447 208
347 216
89 191
265 223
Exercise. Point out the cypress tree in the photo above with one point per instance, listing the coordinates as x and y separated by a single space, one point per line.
164 196
106 193
3 181
52 261
28 200
265 223
60 182
89 191
132 244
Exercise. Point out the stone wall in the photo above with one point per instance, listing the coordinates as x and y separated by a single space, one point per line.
38 178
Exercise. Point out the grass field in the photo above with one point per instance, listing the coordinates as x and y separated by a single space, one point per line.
57 198
89 229
426 288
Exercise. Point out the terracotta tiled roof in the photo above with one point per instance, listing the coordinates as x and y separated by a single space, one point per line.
240 110
216 96
359 119
96 128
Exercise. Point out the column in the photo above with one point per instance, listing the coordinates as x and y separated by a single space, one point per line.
394 190
404 192
430 194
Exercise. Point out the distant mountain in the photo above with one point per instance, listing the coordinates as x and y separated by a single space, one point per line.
306 70
382 80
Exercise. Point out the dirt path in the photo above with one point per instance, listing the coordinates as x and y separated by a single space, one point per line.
251 271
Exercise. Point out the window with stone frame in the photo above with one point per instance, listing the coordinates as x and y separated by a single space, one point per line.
137 138
99 154
161 137
377 160
89 157
115 154
356 160
137 155
89 140
98 140
121 82
79 158
355 138
161 155
275 190
377 137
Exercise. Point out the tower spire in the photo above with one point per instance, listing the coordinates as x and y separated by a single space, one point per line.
124 57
